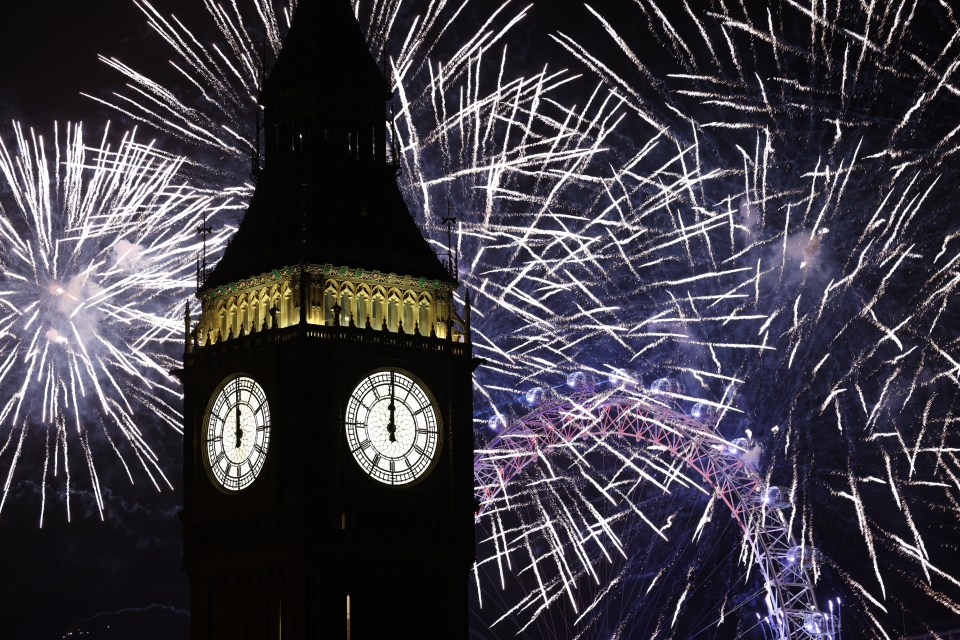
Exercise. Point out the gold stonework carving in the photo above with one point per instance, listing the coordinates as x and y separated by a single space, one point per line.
336 296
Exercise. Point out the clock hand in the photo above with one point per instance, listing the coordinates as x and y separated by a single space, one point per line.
391 425
239 432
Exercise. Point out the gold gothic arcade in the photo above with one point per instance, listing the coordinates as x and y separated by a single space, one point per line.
328 441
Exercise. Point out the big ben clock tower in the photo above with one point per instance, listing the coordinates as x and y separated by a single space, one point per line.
327 385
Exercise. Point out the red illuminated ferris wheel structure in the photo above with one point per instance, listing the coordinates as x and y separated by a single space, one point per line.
628 415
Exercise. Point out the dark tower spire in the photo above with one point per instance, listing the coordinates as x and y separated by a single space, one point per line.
327 192
325 98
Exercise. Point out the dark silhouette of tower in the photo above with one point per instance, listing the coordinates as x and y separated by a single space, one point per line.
327 385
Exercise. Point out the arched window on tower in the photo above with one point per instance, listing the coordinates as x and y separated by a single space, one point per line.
377 307
363 306
425 321
231 320
314 304
242 319
221 329
409 313
393 310
274 309
443 315
329 299
257 305
346 305
286 311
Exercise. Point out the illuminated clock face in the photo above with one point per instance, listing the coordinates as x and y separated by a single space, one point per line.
237 433
392 428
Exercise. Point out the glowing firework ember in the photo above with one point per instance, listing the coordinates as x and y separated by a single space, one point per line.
783 224
753 202
99 251
228 75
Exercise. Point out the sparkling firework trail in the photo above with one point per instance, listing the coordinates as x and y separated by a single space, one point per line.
99 247
753 200
226 75
784 222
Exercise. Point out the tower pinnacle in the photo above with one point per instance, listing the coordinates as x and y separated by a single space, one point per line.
327 193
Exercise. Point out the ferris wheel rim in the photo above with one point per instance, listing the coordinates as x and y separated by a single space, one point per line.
739 487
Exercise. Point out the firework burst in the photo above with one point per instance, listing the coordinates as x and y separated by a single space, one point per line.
99 250
783 225
752 201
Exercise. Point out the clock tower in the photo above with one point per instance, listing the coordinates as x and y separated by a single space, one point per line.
328 467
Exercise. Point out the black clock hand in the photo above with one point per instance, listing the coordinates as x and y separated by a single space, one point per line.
391 425
239 432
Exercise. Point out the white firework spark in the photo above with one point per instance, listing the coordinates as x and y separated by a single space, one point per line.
99 251
784 221
739 201
227 76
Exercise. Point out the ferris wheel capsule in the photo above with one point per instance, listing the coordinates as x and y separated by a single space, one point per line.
818 625
621 379
667 385
737 448
496 423
577 380
775 497
802 557
534 396
704 412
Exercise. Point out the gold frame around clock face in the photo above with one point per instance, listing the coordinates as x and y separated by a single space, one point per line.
393 427
236 433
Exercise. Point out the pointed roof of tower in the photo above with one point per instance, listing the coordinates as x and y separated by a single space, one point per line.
314 206
325 45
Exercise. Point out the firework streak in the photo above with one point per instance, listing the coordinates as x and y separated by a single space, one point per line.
748 198
99 253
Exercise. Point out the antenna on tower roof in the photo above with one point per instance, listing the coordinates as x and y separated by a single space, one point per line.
204 230
453 257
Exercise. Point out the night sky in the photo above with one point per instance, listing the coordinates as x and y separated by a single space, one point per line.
87 575
123 573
